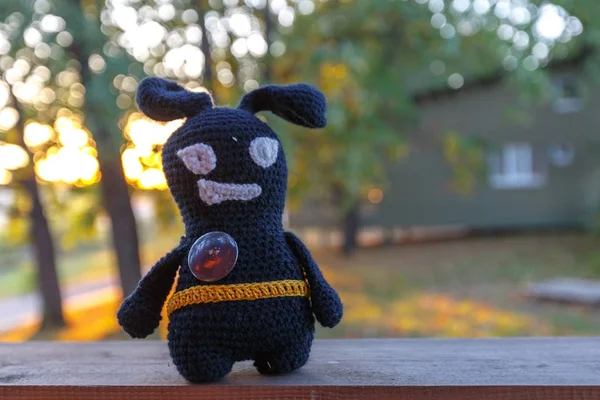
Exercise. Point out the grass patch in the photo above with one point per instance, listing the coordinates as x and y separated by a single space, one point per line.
80 265
17 281
420 290
466 288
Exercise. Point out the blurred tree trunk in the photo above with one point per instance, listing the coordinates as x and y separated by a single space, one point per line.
117 202
45 258
350 226
41 240
349 218
268 76
207 75
89 39
347 203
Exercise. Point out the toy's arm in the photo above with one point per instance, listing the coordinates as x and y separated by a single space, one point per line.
326 303
139 314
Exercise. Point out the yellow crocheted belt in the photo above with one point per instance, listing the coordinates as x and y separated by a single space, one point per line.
236 292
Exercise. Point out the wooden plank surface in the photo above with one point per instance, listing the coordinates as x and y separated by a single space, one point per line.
522 368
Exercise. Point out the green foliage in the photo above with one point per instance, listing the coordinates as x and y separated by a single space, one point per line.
370 69
369 57
15 18
45 73
82 210
166 213
354 62
16 231
102 113
466 156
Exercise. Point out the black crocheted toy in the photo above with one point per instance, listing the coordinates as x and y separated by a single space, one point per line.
246 289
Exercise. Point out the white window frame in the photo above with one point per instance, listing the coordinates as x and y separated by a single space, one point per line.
516 169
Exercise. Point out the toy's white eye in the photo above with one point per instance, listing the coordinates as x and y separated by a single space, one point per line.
198 158
263 151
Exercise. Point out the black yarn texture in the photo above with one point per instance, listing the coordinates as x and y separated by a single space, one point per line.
206 339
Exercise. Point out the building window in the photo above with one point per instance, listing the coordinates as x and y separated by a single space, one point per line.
515 167
561 155
568 95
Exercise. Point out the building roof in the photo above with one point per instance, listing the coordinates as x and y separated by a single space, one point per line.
439 92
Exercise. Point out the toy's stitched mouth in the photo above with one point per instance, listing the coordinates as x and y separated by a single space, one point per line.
214 192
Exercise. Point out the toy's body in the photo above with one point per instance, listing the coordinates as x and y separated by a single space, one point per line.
227 173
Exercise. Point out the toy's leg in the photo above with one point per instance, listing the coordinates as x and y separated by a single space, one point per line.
201 364
288 359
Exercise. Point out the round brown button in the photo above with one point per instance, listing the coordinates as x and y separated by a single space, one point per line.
212 256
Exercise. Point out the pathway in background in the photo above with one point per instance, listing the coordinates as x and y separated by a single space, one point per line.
19 311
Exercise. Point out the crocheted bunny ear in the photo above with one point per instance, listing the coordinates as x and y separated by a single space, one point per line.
299 104
163 100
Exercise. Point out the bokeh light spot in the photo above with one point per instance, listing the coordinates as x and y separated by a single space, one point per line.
97 63
8 118
456 81
37 134
12 156
375 195
64 39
